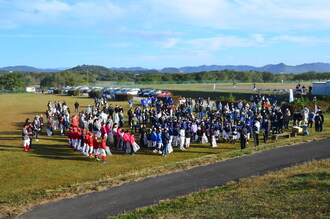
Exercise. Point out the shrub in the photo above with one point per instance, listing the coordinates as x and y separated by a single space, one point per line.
58 91
73 92
124 97
231 98
94 93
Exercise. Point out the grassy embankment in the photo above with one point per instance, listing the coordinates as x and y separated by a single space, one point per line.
297 192
51 170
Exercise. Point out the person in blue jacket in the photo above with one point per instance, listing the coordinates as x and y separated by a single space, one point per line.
153 139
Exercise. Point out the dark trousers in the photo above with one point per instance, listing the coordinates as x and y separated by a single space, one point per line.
243 143
266 136
256 139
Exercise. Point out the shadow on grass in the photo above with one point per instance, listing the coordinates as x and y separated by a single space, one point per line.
17 133
57 151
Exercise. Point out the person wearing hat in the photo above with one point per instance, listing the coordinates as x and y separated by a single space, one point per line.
166 141
26 138
159 141
182 133
103 149
90 145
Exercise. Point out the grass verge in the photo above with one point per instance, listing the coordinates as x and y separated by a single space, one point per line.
297 192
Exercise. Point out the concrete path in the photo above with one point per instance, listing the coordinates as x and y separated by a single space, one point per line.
149 191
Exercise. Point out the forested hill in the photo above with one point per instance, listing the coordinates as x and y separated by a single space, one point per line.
277 68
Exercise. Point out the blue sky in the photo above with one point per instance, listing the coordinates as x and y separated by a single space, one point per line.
163 33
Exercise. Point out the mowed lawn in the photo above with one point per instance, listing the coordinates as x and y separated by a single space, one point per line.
51 165
51 169
297 192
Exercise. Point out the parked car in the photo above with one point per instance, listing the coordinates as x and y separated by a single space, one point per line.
149 93
164 93
133 91
51 90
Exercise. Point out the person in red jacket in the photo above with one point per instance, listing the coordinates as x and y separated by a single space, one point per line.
126 139
75 121
96 147
85 149
103 148
90 145
132 142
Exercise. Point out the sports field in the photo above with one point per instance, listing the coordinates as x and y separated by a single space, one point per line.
219 87
51 170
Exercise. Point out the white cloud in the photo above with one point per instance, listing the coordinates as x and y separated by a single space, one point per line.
57 12
221 42
265 15
170 43
252 15
304 40
258 37
46 36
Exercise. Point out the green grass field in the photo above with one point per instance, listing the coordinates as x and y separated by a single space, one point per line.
51 170
297 192
220 87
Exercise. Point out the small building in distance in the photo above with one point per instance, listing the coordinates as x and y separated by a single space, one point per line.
321 88
30 89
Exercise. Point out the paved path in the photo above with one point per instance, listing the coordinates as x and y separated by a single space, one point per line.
149 191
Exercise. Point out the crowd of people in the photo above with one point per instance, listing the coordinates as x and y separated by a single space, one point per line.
159 124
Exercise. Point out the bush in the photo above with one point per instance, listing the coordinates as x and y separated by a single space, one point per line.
229 98
124 97
73 92
58 91
94 93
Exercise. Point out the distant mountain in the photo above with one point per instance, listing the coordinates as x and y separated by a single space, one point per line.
24 68
89 68
130 69
217 68
283 68
278 68
171 70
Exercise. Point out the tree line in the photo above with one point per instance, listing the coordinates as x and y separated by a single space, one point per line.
91 74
